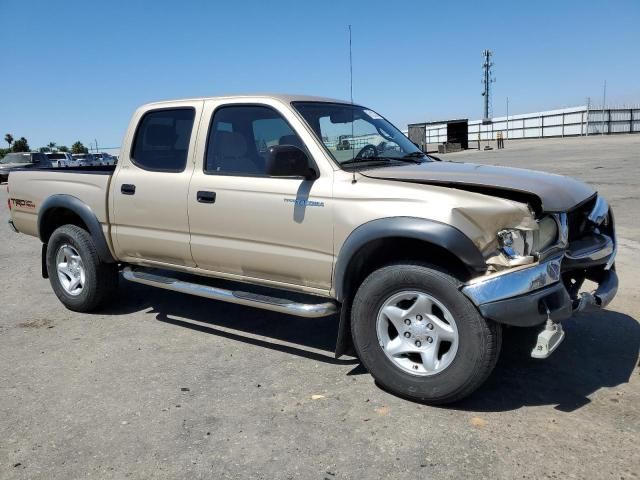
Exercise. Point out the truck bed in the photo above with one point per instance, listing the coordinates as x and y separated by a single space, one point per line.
30 187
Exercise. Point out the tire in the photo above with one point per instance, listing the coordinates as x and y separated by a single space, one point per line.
99 281
462 348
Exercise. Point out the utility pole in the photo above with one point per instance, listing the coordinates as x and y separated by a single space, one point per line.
587 119
604 101
507 132
487 80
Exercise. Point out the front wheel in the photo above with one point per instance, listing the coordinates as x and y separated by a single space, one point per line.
420 337
80 280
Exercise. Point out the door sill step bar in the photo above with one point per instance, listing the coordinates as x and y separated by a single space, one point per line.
265 302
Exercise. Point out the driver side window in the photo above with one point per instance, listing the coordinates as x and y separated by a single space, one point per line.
239 137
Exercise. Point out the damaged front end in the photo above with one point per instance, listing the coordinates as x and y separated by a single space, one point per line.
544 273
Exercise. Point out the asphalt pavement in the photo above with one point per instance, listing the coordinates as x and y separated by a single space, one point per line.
163 385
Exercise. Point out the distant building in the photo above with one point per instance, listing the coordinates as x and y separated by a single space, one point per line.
566 122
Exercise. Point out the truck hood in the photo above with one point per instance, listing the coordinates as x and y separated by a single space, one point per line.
547 192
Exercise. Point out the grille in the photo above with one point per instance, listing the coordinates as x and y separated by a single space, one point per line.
577 219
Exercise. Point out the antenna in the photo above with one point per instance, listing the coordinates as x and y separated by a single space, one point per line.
353 143
350 69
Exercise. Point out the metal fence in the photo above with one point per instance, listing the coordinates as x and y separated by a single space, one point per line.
568 122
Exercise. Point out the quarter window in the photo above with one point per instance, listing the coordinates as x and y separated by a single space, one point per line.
239 137
162 140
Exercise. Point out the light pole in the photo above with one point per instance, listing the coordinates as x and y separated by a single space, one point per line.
604 101
507 132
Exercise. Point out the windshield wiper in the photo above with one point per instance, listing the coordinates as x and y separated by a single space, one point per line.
364 160
405 159
415 155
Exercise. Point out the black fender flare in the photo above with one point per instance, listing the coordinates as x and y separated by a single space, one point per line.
431 231
81 209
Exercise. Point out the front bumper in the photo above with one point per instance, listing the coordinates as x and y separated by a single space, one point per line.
551 289
539 304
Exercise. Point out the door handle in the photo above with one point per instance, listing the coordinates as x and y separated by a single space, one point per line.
206 197
128 189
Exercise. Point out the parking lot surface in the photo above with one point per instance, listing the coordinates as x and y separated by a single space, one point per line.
163 385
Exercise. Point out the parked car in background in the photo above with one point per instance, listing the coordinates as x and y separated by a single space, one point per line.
21 159
84 160
100 158
104 159
59 159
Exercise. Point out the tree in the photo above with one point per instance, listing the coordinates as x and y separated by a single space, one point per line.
9 139
52 146
63 148
21 145
44 149
78 147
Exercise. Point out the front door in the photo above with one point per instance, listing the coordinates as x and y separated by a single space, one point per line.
247 224
149 190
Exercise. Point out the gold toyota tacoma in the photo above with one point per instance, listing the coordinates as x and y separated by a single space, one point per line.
311 207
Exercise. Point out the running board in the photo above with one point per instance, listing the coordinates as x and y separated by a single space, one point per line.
274 304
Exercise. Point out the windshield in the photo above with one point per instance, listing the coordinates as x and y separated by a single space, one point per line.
16 158
353 132
56 156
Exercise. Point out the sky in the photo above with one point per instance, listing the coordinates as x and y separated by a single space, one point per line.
77 69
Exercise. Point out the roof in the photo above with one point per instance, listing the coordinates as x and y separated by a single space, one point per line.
283 97
439 122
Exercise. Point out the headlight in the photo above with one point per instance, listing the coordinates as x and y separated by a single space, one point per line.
515 243
522 245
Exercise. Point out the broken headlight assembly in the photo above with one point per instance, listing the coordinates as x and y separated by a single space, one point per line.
522 246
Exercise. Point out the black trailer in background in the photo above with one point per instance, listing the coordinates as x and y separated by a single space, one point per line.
451 133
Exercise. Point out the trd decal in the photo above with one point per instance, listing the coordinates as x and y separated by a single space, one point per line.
304 203
23 203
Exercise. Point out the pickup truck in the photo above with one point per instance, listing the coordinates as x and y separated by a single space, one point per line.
21 160
251 200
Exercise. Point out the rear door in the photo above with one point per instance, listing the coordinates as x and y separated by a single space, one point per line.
149 190
247 224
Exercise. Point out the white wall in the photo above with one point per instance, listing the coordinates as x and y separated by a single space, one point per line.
565 122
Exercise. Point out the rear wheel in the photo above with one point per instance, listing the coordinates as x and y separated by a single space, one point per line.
420 337
79 279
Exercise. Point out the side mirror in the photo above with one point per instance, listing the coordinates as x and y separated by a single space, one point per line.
289 161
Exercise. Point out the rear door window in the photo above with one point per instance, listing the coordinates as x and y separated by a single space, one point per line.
161 142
